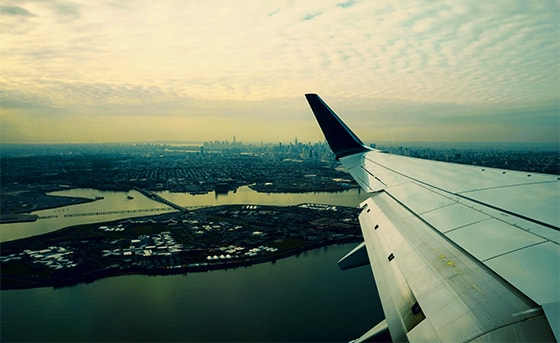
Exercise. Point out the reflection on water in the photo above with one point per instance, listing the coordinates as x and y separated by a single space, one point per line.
245 195
109 202
57 218
305 298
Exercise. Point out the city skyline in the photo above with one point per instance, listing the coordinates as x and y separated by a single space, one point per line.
83 72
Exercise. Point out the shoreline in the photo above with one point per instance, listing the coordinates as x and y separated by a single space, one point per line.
47 202
55 201
96 275
210 238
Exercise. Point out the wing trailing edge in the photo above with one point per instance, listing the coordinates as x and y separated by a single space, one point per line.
341 139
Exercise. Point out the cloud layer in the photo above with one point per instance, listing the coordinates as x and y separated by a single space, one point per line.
475 65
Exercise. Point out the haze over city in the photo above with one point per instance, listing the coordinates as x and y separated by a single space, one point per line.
141 71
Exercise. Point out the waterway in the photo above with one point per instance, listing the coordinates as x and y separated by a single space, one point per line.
303 298
300 298
125 203
107 203
245 195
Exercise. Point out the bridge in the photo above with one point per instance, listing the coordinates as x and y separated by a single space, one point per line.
103 213
157 198
146 193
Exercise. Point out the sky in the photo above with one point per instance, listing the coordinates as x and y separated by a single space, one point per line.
181 70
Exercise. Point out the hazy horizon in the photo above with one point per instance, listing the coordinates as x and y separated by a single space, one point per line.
95 72
545 146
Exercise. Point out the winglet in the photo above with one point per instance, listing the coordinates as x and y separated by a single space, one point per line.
341 139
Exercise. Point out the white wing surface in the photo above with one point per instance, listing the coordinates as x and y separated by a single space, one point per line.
459 253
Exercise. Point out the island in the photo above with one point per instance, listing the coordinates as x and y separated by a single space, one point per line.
227 236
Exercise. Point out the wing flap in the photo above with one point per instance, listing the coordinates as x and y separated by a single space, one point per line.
396 295
493 237
459 298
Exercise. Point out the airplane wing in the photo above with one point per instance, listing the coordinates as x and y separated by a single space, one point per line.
459 253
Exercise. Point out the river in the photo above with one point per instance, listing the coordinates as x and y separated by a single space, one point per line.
109 202
300 298
57 218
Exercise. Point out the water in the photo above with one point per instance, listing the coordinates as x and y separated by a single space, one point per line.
300 298
245 195
303 298
58 218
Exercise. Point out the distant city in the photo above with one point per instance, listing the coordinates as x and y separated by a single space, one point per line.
28 171
190 239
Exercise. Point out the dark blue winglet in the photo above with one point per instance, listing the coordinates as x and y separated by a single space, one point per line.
341 139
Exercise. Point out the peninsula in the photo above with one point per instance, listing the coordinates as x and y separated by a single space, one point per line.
219 237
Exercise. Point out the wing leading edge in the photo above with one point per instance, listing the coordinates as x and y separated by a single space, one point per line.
459 253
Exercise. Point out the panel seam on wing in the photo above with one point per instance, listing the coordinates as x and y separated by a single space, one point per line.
462 194
514 250
507 186
467 225
514 214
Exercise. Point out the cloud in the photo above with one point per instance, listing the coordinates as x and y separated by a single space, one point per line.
416 57
347 4
310 16
66 9
15 11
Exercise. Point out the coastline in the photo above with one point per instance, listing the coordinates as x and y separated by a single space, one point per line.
41 201
220 237
192 268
